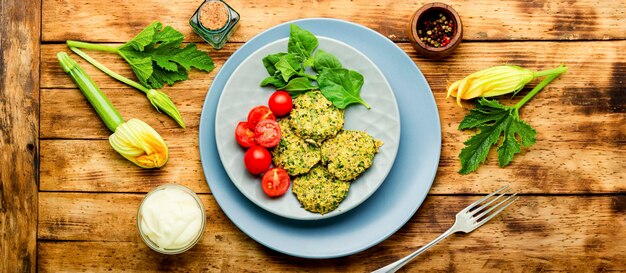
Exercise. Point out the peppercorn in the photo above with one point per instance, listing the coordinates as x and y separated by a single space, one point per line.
438 29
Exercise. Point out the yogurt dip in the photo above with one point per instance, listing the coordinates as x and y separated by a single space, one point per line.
171 219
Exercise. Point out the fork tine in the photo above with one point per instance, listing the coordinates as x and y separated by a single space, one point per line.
484 198
486 205
482 222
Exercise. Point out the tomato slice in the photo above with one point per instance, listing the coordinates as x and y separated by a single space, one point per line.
280 103
258 114
257 160
275 182
244 136
267 133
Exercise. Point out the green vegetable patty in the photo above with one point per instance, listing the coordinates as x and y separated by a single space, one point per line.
349 154
318 191
294 154
314 118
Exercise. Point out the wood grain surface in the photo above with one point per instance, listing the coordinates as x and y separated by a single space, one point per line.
97 232
482 19
19 127
579 118
571 216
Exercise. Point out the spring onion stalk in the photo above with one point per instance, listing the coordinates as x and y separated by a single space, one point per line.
158 99
496 81
134 140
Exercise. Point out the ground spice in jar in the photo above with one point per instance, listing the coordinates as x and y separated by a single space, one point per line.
436 29
213 15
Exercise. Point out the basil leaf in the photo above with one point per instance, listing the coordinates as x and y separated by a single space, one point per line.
302 43
299 85
341 86
325 60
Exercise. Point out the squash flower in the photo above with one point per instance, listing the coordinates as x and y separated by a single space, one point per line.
495 81
134 140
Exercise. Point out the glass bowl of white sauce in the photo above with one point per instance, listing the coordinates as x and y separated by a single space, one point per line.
171 219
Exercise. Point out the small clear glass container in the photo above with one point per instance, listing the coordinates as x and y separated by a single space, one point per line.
215 21
154 245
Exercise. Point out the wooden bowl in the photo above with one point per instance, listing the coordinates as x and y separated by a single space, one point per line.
427 50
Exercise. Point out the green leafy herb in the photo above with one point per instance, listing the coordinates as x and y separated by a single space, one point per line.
156 56
341 86
498 125
270 60
288 65
325 60
299 85
302 43
287 71
275 80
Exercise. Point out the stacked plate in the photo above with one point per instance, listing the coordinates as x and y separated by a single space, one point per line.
382 199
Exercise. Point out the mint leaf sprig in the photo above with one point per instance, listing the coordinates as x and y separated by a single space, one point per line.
495 122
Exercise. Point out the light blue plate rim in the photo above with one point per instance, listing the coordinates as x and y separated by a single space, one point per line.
393 204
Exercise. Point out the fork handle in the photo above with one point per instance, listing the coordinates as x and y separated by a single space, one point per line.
393 267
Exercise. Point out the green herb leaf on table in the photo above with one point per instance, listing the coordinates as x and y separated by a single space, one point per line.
156 56
302 43
341 86
495 121
498 125
323 60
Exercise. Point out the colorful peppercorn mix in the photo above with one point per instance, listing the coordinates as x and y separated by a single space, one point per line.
436 29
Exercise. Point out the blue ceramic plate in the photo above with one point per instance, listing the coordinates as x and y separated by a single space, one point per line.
390 207
382 122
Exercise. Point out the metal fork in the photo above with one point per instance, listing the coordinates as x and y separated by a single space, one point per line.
467 220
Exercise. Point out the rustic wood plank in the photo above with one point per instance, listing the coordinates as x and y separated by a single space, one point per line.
579 119
548 167
560 233
119 21
19 128
92 165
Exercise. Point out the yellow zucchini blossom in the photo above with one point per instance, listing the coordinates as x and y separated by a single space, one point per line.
495 81
141 144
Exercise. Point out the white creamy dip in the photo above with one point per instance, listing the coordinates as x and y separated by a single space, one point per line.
172 218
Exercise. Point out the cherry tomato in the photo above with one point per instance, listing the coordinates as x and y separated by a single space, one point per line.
275 182
259 113
257 159
280 103
244 136
267 133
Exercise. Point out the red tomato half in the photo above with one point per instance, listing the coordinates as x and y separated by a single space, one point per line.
267 133
258 114
244 136
275 182
280 103
257 159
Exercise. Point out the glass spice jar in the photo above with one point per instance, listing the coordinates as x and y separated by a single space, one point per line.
214 21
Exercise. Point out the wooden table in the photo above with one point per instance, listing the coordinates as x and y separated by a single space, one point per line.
68 201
